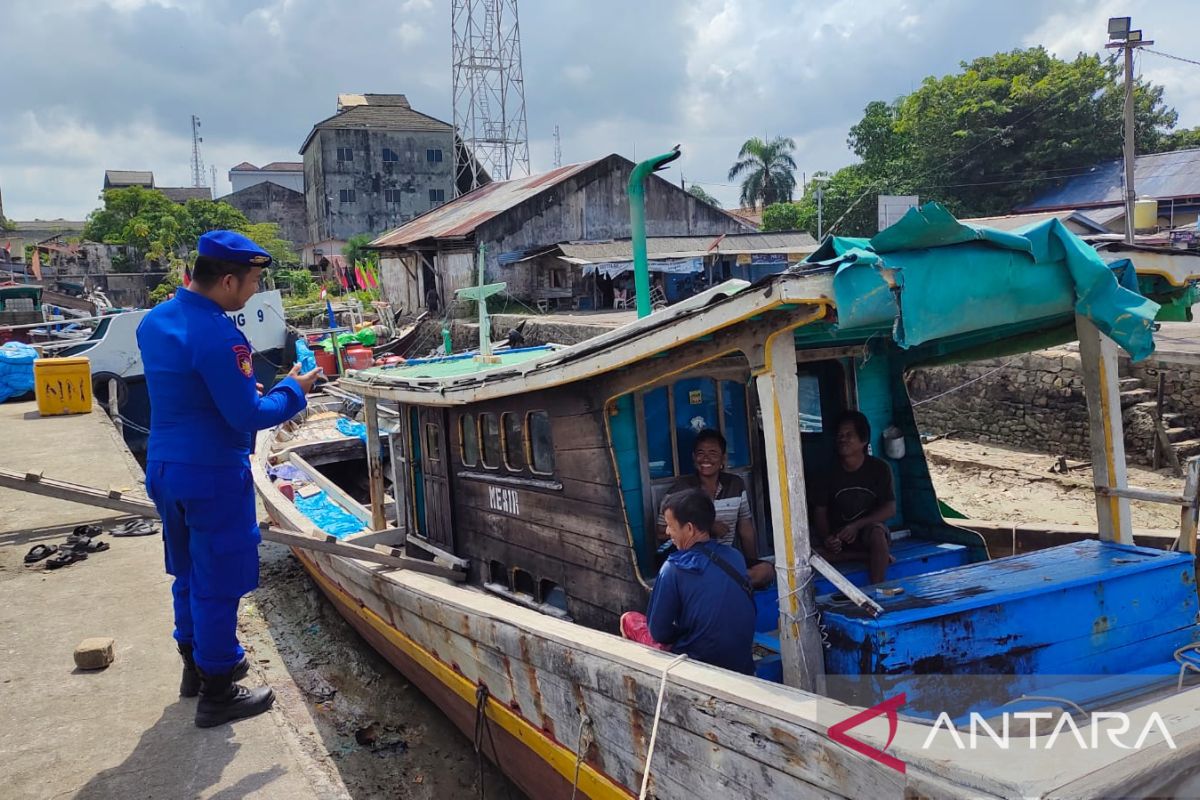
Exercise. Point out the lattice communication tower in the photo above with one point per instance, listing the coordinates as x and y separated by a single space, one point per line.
198 175
489 92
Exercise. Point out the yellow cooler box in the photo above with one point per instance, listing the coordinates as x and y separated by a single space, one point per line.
63 385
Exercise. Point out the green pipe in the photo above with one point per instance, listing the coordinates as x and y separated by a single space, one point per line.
446 346
637 225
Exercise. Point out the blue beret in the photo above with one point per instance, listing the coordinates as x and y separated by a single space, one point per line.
230 246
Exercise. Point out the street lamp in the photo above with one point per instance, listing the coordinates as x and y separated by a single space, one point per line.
1122 38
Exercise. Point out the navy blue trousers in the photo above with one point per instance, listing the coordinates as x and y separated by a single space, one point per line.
210 544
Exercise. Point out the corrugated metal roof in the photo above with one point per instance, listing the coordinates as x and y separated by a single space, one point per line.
1159 175
181 194
129 177
1011 222
284 166
692 246
245 166
461 216
379 117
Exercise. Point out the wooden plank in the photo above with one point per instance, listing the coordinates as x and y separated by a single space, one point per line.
34 483
335 492
1163 444
1098 360
831 574
374 462
292 539
1188 516
778 394
439 555
1136 493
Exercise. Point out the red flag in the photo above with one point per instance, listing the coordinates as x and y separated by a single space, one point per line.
370 270
36 264
358 274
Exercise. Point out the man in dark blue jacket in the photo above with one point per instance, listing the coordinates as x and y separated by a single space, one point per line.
205 408
702 603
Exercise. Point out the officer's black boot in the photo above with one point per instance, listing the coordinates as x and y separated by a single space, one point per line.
189 684
222 700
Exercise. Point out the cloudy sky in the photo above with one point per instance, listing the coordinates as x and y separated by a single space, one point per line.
87 85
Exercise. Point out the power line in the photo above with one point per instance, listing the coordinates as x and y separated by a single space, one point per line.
1168 55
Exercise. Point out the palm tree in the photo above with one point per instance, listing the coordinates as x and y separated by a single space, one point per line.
768 170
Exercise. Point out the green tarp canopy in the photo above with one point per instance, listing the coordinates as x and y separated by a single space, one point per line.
931 276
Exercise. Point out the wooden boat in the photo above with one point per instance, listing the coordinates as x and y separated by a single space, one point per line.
519 525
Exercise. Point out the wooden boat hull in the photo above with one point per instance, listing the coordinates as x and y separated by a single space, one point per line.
720 734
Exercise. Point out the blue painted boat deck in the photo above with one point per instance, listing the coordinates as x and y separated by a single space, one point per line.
1090 622
913 557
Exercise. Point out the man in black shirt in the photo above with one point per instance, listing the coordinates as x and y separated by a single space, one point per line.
851 509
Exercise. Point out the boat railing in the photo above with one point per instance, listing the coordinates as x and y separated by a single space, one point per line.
1188 501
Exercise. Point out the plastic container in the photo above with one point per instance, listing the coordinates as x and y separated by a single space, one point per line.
358 358
326 361
893 443
63 385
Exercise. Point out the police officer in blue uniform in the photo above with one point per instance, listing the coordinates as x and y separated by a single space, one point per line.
205 408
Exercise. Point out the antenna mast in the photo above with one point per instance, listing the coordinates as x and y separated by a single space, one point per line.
557 148
489 92
197 162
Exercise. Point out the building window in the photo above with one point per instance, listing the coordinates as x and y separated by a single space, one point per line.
392 195
390 155
346 195
491 446
514 442
541 445
433 156
468 437
345 154
437 195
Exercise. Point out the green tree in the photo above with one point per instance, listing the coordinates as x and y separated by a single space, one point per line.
266 235
767 171
1005 127
1182 139
782 217
356 250
849 202
697 191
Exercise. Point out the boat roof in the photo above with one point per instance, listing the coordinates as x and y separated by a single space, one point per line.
927 279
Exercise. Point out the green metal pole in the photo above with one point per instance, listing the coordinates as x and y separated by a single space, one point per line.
637 225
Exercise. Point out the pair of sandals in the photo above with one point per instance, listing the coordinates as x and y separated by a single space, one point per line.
82 541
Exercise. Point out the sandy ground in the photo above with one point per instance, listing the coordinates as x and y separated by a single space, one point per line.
999 484
352 710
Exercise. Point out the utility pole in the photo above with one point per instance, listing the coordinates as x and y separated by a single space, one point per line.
557 147
1122 38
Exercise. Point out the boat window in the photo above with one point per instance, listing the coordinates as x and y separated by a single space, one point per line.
541 445
468 438
810 403
656 407
735 422
490 445
433 442
695 409
514 441
498 573
553 595
523 582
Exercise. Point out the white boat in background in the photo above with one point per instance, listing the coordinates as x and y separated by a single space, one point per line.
113 352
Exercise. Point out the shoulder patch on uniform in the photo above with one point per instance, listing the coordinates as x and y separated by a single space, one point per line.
245 361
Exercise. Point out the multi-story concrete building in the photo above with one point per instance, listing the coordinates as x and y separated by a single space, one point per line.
372 166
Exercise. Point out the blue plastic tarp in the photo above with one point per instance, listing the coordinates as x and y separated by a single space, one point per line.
16 369
930 276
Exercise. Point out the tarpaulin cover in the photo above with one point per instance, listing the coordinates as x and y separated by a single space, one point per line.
329 516
950 278
348 427
16 369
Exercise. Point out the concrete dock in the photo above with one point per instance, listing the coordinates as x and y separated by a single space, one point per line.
122 732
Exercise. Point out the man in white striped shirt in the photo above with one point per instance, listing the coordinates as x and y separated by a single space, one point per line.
734 525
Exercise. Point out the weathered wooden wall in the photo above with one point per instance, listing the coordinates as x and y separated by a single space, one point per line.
575 536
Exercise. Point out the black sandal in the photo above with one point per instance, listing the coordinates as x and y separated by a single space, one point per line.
89 546
40 551
65 557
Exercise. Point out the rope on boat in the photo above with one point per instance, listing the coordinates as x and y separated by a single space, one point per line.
662 692
963 385
585 726
131 424
482 723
